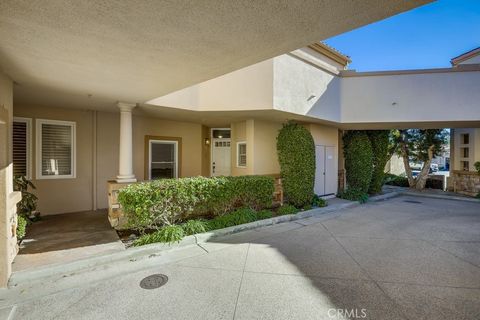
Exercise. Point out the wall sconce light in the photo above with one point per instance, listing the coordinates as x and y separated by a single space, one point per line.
207 141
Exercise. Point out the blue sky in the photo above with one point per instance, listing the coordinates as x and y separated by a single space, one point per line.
426 37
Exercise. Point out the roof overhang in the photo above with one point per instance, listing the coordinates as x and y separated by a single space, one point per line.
465 56
330 53
89 54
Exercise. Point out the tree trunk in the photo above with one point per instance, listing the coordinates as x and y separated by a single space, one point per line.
423 175
406 161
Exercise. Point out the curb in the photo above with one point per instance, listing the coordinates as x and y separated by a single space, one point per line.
438 196
155 249
158 249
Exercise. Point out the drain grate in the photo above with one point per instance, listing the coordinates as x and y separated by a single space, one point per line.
411 201
154 281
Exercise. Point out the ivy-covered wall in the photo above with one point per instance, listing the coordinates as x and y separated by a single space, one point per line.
296 155
358 155
379 142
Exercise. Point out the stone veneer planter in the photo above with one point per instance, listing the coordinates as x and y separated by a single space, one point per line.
117 218
466 182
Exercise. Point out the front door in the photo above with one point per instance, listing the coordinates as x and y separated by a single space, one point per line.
221 157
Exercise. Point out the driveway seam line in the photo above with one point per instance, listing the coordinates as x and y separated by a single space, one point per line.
241 282
398 306
198 244
11 315
451 253
444 250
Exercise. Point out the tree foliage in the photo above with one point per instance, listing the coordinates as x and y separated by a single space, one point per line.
296 155
421 146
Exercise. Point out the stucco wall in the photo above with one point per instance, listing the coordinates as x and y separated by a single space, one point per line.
395 165
239 134
72 195
426 97
206 152
265 147
249 88
305 89
8 239
261 139
64 195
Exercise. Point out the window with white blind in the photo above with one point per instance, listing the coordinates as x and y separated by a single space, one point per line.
163 163
241 154
55 149
21 147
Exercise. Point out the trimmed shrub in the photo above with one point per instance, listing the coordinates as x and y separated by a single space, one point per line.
287 209
169 201
296 155
319 202
394 180
307 207
167 234
21 227
240 216
264 214
353 194
194 226
379 140
477 166
357 150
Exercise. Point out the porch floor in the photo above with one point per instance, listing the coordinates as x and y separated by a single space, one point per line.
66 237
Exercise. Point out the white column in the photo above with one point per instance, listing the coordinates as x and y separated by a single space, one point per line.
125 162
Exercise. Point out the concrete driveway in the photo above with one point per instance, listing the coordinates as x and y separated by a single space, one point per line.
404 258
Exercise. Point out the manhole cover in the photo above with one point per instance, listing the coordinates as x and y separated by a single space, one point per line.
154 281
411 201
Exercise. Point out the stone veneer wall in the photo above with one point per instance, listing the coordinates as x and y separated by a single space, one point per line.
466 182
115 212
341 180
8 224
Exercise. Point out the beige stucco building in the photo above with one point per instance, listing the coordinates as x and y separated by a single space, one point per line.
189 100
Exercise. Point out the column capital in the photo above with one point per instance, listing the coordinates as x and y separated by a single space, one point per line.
125 106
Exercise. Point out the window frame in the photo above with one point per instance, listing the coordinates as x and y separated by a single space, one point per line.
73 153
28 121
238 154
148 154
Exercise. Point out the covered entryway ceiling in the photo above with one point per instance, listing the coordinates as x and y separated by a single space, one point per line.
61 51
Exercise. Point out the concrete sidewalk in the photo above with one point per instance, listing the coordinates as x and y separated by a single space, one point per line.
404 258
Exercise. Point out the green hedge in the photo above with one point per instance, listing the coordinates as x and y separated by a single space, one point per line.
21 227
168 201
379 140
296 155
353 194
357 150
394 180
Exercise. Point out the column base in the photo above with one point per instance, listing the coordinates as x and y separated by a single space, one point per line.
126 179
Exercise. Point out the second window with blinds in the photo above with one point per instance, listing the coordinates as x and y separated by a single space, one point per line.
55 149
241 154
